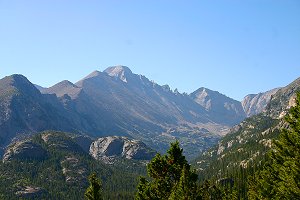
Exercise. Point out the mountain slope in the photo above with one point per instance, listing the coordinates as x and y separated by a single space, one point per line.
116 102
256 103
222 108
130 104
23 109
55 166
246 144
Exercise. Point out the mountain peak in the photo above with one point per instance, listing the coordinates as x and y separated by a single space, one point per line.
19 82
119 71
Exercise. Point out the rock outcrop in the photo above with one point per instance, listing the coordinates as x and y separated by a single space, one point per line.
108 148
256 103
30 192
24 150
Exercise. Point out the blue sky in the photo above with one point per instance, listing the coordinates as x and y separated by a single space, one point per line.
232 46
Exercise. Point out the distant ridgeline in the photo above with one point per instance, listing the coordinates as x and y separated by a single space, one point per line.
117 102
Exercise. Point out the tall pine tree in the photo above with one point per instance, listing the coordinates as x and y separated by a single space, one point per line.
94 191
280 177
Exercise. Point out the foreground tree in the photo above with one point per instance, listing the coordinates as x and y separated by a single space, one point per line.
171 177
280 177
94 191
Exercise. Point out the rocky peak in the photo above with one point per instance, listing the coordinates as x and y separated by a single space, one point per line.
62 88
219 105
256 103
202 97
107 148
121 72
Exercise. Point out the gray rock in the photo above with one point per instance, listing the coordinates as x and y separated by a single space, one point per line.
24 150
221 108
30 192
256 103
107 148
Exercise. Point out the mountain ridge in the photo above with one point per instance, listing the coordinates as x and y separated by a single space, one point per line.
245 146
104 104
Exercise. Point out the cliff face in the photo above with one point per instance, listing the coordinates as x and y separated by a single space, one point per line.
256 103
108 148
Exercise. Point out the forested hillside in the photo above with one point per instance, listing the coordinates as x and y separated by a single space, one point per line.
244 150
52 165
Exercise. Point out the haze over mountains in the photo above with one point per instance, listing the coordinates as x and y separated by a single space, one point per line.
119 102
247 143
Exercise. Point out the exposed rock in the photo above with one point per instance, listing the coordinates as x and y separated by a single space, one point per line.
256 103
222 108
30 192
25 150
120 72
107 148
75 172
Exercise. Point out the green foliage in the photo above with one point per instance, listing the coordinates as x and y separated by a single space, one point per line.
62 178
186 189
171 175
94 191
280 177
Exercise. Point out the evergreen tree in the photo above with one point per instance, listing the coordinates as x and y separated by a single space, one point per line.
280 177
186 189
94 191
170 173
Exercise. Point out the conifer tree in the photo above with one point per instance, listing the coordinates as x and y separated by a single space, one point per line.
280 177
166 172
94 191
186 189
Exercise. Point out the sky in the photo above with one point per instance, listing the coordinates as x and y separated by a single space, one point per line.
231 46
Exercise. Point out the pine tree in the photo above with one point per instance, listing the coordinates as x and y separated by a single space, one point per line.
186 189
166 173
94 191
280 178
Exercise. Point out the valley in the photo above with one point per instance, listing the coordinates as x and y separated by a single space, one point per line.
114 122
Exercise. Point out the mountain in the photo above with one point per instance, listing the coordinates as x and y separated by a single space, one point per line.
62 88
117 102
131 105
54 165
256 103
245 146
222 108
24 110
